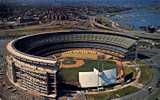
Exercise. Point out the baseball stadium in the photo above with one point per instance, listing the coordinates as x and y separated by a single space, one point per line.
49 63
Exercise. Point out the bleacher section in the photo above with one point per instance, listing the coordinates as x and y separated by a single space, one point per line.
85 54
77 39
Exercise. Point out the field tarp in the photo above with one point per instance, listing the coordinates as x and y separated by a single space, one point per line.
96 78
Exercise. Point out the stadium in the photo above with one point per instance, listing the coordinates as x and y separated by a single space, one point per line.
41 63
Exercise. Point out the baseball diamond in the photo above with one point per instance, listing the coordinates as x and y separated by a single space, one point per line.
34 61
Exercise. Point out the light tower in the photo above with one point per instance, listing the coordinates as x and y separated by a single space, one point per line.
136 50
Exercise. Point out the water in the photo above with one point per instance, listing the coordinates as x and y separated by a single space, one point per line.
137 18
133 19
129 3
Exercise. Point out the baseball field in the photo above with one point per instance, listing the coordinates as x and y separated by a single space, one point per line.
70 74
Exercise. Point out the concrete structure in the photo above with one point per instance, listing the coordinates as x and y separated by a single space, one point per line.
31 68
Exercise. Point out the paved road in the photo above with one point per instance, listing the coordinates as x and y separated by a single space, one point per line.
144 94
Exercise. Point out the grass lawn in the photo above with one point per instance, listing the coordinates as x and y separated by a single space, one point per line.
71 74
31 29
114 94
146 74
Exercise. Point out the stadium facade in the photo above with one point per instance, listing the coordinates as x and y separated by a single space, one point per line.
30 68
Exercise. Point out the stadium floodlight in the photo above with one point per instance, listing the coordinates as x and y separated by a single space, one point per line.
98 78
136 51
136 48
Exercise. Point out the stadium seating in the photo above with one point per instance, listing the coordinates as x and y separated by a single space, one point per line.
54 42
89 54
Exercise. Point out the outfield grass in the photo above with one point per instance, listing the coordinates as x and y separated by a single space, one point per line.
71 74
114 94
